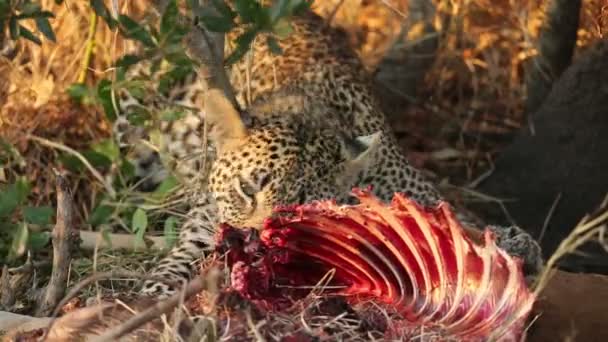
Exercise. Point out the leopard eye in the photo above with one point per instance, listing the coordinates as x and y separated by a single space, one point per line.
247 189
264 180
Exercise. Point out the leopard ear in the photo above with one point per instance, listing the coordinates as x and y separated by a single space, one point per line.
225 124
359 154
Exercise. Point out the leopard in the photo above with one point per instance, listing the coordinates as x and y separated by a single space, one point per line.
307 126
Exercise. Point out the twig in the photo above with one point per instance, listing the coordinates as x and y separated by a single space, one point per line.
192 288
94 278
549 216
7 299
62 236
88 52
254 327
109 189
582 233
105 275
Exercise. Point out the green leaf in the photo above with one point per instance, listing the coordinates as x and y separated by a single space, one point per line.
38 215
282 28
100 215
78 92
249 11
139 220
284 8
217 24
136 88
182 64
224 9
22 189
108 148
139 116
101 10
133 30
243 42
27 34
19 242
13 27
139 223
127 170
13 196
104 93
97 159
8 203
166 186
71 162
44 26
127 60
171 115
105 235
4 7
219 18
279 9
38 240
273 45
170 231
29 9
168 21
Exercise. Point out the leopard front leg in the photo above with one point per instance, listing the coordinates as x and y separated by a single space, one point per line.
513 240
180 264
519 243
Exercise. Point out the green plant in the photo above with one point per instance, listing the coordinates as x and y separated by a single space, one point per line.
18 219
14 12
160 43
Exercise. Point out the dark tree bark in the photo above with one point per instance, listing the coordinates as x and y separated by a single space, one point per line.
406 63
565 157
556 44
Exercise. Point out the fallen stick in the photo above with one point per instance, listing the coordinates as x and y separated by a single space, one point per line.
12 321
92 240
195 286
62 236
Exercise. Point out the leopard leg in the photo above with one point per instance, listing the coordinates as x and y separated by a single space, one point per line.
195 240
519 243
512 239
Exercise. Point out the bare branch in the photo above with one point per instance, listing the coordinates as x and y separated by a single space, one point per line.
206 48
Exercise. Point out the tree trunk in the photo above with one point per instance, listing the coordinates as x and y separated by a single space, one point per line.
406 63
561 167
556 44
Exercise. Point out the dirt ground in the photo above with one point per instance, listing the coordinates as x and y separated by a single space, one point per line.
572 308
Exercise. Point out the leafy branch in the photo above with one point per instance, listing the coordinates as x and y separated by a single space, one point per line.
14 12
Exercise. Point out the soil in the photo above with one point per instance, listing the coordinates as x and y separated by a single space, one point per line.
572 307
562 153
